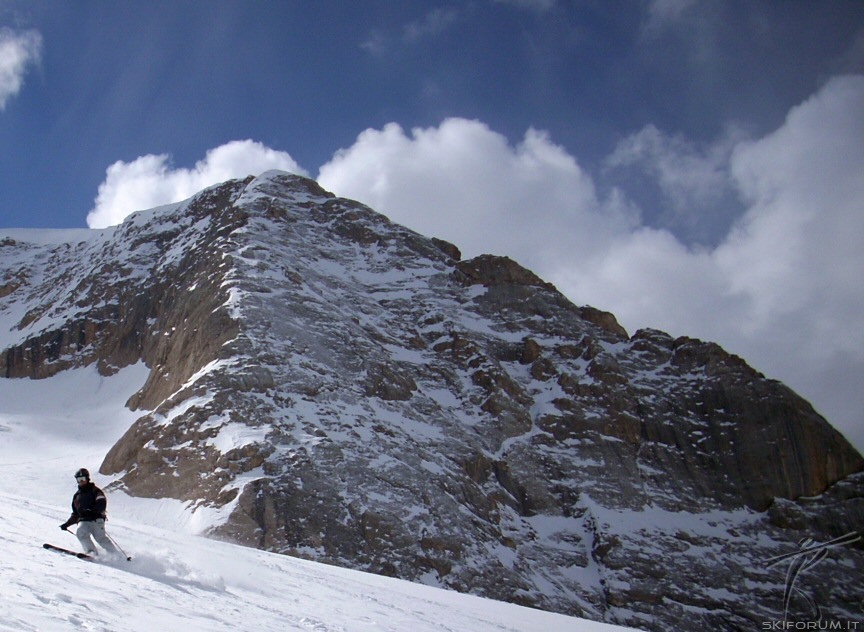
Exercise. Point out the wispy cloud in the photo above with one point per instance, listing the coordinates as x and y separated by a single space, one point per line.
692 179
18 51
534 5
430 25
376 43
433 23
851 61
663 14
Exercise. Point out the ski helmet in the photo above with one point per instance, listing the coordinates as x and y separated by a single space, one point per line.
83 473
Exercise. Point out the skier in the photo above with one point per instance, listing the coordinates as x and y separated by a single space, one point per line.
88 512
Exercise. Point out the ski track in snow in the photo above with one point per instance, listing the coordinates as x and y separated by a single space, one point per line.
177 580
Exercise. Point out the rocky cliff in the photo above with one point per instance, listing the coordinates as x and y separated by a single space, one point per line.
352 392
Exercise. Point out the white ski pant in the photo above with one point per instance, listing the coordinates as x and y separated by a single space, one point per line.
94 529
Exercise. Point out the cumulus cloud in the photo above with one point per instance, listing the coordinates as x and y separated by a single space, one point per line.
464 183
18 51
783 288
797 253
150 181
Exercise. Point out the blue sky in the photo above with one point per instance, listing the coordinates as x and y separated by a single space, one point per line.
694 166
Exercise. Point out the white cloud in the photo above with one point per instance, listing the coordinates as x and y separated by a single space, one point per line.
149 181
18 51
783 289
463 182
798 253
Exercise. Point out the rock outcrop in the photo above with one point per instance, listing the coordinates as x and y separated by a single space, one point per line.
349 391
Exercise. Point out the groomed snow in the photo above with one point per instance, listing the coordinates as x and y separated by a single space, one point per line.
177 580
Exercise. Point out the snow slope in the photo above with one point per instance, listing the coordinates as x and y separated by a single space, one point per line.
177 580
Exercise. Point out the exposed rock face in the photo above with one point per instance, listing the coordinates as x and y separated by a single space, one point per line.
353 392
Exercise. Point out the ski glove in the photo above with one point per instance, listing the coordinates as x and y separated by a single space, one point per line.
65 526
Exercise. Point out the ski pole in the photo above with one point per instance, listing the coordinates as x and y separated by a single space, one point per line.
128 557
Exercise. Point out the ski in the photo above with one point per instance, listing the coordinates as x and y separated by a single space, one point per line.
60 549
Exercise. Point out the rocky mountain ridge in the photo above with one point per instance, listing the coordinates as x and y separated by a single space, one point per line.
347 390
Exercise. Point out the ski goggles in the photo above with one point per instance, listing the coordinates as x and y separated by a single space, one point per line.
81 479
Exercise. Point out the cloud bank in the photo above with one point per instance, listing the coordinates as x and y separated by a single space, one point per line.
149 181
782 288
18 51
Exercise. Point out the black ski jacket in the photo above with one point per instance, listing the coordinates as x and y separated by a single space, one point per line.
88 504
